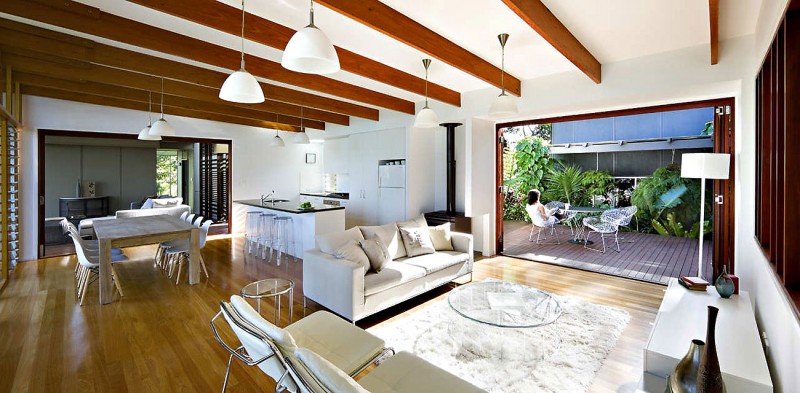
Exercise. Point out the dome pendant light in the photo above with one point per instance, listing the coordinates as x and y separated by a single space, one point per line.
241 86
426 118
301 138
277 141
504 105
145 134
310 51
161 127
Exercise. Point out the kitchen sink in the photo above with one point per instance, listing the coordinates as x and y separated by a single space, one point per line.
274 200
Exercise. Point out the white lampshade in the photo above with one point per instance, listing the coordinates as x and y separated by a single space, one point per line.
146 135
277 141
162 128
426 118
503 106
310 51
705 165
242 87
301 138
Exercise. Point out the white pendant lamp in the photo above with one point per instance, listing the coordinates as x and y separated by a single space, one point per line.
161 127
426 118
310 51
144 134
504 105
301 138
241 86
277 141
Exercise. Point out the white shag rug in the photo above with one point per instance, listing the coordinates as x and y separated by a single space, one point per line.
561 357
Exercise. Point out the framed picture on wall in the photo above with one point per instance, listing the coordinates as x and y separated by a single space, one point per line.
311 158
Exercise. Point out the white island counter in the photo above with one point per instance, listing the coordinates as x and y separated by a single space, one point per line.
307 223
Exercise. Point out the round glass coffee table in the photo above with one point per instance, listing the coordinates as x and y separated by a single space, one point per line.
504 320
504 304
274 288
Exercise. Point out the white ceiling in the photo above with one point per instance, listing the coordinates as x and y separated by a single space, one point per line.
613 30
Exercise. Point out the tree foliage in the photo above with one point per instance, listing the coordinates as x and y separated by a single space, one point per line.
565 183
530 162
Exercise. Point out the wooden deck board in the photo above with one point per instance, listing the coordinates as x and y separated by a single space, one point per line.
651 257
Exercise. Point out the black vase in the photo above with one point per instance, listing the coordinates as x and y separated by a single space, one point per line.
684 378
709 376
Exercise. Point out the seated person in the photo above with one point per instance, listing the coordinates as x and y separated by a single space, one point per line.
538 214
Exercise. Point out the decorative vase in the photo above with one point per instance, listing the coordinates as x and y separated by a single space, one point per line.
709 376
684 378
724 284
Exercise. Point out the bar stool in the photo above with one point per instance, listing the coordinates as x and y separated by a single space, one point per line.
266 233
284 236
251 230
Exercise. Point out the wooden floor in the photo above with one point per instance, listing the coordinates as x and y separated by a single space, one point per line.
157 337
651 257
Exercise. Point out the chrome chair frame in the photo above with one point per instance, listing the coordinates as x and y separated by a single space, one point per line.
606 225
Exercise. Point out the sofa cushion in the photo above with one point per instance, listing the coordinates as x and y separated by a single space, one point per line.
167 202
352 251
417 241
327 374
377 253
392 275
436 261
405 372
441 238
330 242
390 236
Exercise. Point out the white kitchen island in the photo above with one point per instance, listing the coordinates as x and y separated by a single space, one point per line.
307 223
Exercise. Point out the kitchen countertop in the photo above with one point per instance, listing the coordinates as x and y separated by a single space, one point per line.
287 207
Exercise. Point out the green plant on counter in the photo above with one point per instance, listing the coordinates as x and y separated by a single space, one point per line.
565 183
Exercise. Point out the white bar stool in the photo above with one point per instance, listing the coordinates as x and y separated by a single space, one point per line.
284 236
251 230
266 233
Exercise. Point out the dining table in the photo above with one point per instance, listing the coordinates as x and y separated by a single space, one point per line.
580 228
137 231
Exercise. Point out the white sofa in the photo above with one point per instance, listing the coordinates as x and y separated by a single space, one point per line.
341 285
86 226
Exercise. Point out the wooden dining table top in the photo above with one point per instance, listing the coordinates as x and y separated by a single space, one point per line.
131 227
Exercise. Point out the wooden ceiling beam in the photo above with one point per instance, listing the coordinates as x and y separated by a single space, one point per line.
104 90
36 38
219 16
539 17
67 69
140 106
713 16
30 45
92 21
387 20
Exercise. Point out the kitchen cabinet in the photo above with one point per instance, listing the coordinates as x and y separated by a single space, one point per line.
365 150
336 155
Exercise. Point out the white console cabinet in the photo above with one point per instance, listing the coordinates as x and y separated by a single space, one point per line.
682 317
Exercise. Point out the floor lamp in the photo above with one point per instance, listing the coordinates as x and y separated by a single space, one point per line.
704 166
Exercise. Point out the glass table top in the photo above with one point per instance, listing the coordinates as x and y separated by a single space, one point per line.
504 304
267 287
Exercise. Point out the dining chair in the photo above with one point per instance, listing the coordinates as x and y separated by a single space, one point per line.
178 253
569 216
184 215
630 213
605 226
89 268
540 223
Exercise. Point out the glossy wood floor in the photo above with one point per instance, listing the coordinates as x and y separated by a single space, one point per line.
157 338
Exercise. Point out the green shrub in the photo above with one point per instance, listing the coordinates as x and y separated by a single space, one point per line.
531 161
597 183
565 183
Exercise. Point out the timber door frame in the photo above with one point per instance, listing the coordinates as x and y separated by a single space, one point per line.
43 133
724 142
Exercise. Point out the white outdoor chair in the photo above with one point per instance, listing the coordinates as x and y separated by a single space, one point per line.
349 348
569 218
629 212
605 226
539 224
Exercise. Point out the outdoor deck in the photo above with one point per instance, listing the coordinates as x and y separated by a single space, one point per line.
650 257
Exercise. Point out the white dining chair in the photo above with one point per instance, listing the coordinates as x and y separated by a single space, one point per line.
89 268
178 253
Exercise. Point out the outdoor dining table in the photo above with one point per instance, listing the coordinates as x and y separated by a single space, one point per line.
136 231
580 228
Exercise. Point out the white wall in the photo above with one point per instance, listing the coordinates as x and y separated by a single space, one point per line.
257 168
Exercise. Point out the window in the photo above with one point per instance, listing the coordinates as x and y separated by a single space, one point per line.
778 154
167 172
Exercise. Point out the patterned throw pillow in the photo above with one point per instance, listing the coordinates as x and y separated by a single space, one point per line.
417 241
377 253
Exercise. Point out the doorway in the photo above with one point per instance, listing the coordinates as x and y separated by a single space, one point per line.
617 159
87 175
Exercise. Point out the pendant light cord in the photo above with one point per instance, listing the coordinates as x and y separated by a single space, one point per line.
242 63
162 97
311 15
426 87
503 68
301 120
149 107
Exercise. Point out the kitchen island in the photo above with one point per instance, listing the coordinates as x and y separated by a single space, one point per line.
308 223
